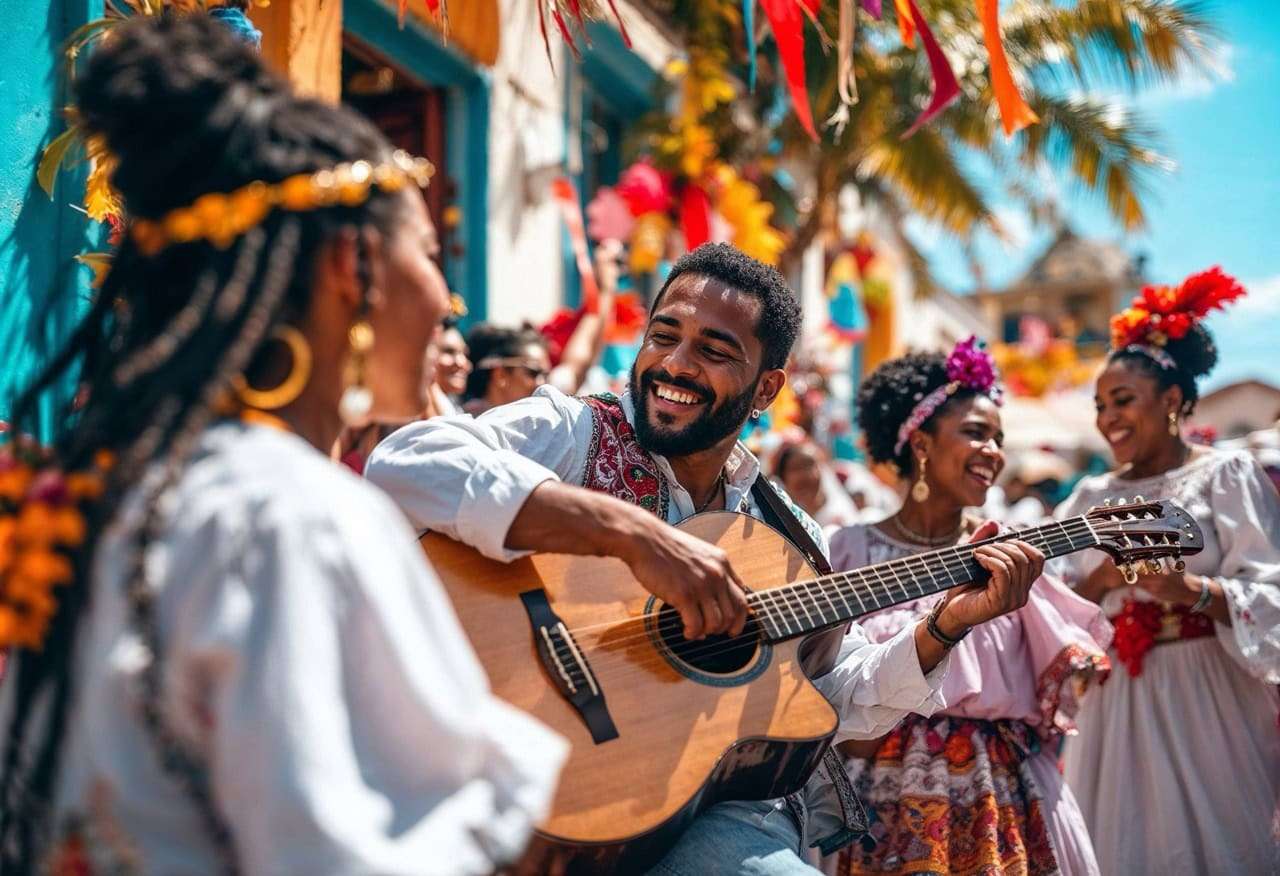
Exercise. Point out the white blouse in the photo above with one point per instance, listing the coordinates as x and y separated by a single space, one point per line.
1238 510
313 662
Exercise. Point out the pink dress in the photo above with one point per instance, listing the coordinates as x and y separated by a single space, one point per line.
976 788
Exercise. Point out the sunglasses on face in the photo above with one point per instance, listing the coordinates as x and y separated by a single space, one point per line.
536 372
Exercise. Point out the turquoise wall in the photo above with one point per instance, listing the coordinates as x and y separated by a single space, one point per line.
42 289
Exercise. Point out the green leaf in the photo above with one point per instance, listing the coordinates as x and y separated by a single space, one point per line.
53 156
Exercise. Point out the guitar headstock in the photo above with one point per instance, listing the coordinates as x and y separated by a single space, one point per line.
1142 532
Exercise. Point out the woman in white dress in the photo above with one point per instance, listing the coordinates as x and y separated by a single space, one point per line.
1177 764
249 666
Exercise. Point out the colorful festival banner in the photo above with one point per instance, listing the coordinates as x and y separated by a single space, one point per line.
1014 112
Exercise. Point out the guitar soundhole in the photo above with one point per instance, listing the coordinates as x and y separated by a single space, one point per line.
715 655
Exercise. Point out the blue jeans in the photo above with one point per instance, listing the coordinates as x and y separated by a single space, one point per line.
738 837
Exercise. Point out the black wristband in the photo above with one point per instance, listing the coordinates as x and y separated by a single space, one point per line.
931 626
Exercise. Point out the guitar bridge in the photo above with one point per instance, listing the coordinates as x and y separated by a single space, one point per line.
567 666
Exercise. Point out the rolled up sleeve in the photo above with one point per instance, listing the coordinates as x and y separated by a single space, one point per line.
874 686
468 478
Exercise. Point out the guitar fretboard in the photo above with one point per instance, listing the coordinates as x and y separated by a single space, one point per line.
805 606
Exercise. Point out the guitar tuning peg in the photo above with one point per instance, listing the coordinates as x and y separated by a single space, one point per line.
1179 565
1130 574
1138 500
1106 503
1154 567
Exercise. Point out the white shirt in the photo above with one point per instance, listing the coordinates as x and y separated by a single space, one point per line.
313 662
468 477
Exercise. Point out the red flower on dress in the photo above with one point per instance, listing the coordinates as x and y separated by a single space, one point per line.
1136 628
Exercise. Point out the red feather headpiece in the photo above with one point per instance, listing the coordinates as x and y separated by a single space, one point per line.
1161 313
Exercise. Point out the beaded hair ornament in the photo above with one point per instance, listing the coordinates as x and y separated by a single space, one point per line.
220 218
1159 314
969 367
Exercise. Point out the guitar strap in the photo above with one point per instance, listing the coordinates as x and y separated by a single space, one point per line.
817 661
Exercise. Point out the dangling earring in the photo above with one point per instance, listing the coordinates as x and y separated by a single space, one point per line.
920 490
1173 423
357 399
294 382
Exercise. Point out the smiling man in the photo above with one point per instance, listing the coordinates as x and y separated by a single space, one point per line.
604 476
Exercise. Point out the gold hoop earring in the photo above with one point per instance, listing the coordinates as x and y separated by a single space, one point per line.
920 490
294 382
357 399
1173 423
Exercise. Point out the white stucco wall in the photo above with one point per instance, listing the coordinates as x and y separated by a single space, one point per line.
528 148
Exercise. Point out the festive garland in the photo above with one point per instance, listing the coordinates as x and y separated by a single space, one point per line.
41 524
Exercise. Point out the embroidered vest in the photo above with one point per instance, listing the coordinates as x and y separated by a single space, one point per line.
616 463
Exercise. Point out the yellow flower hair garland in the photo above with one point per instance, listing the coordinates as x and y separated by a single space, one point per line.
220 218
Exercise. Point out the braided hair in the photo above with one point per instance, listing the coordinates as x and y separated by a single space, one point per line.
187 109
1194 355
887 397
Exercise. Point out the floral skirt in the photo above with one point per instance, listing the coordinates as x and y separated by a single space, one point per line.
951 796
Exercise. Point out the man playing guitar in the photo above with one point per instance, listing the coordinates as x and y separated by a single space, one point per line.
604 477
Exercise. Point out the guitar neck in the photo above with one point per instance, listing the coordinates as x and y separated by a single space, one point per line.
807 606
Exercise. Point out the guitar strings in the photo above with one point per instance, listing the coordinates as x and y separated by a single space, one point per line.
796 593
836 581
654 657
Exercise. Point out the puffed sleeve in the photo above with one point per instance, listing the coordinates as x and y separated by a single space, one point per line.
468 477
1246 516
348 725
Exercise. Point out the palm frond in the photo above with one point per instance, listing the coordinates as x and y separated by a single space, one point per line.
925 174
1109 150
1130 42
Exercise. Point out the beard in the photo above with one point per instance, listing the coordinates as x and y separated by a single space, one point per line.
716 423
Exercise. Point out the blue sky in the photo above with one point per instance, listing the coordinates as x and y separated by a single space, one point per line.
1219 205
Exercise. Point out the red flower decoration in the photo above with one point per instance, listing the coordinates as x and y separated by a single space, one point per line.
1136 628
1160 313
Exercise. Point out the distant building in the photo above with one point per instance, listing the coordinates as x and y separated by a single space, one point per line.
1069 292
1239 408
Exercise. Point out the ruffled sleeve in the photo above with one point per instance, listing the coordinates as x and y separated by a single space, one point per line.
1246 516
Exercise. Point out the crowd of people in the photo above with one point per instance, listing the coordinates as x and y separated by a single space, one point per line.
228 654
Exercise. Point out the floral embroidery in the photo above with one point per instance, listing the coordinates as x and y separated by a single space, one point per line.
617 464
952 795
1063 683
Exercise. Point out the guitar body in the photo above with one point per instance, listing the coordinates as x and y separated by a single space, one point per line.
689 732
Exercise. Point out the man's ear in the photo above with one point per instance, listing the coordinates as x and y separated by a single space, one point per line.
768 387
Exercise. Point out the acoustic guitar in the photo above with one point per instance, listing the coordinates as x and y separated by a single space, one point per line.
662 727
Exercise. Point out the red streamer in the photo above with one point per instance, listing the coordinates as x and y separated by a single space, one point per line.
787 21
945 87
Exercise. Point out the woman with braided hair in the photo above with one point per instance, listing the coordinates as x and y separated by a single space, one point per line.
975 788
1177 765
228 653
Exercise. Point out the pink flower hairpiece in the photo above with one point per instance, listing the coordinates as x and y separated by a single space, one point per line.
970 367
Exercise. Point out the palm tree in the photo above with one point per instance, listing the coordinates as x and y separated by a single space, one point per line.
1058 53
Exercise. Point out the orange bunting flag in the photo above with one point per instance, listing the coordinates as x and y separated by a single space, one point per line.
945 86
906 23
1014 112
787 21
